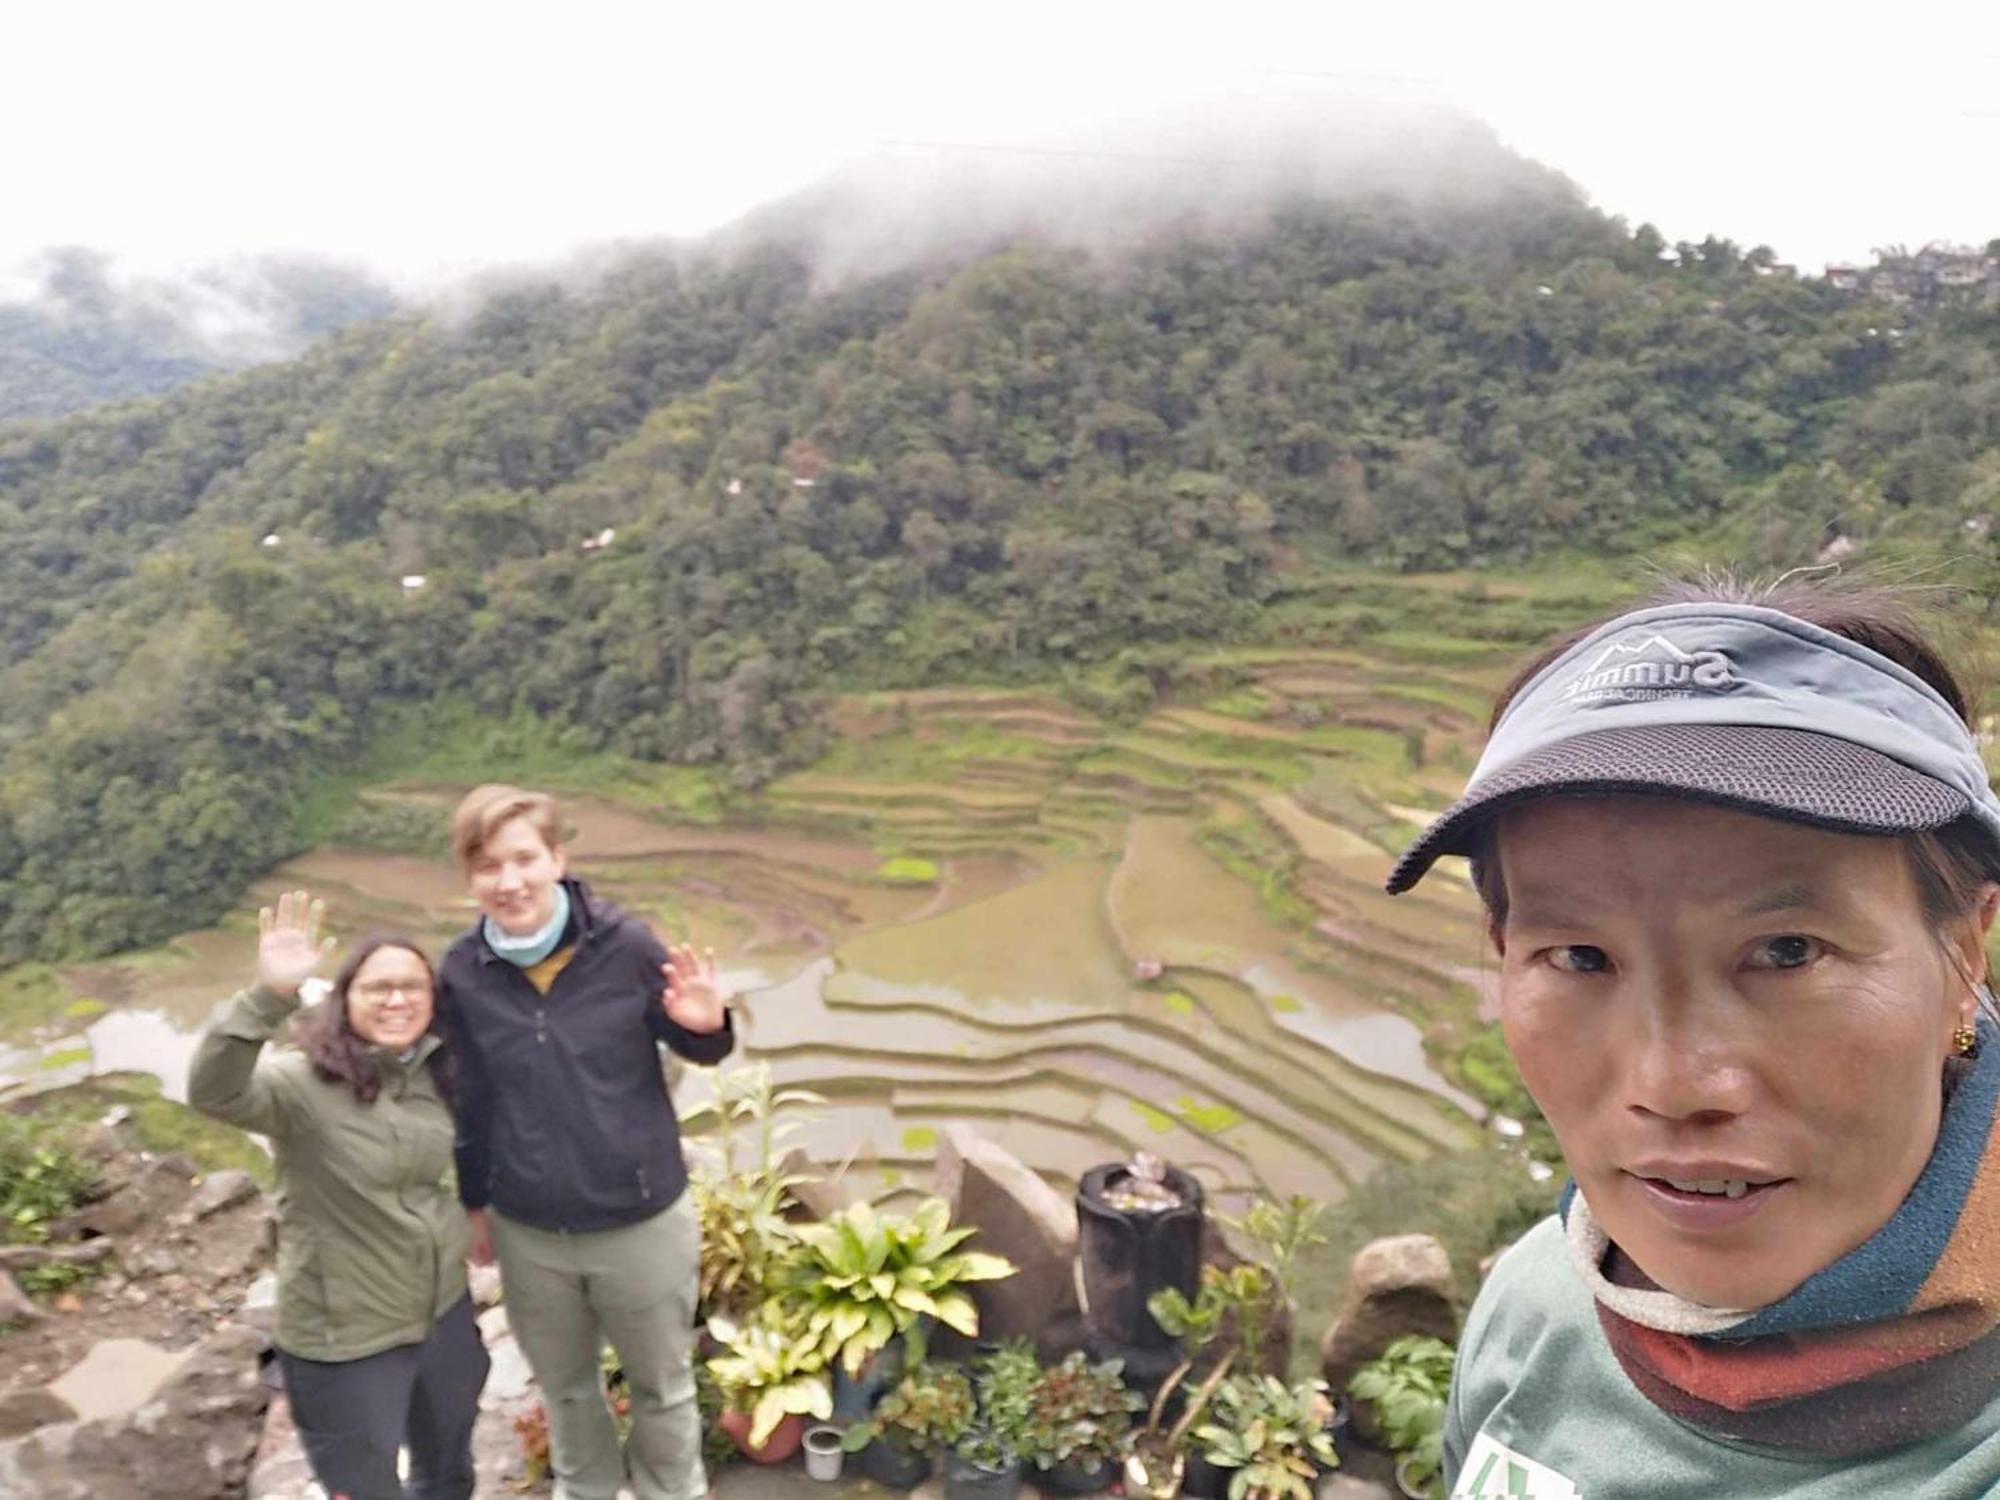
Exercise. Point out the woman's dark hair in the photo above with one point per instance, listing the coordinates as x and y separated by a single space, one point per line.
338 1053
1951 864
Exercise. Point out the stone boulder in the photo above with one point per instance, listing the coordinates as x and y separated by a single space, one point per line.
818 1197
153 1193
36 1406
16 1306
1395 1287
1019 1216
218 1191
193 1439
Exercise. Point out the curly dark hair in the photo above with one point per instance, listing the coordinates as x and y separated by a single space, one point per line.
338 1053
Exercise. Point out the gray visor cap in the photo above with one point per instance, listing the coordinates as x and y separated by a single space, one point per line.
1730 704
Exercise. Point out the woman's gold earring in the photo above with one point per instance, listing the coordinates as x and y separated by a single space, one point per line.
1964 1038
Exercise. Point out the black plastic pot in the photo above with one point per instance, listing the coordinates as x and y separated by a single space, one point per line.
854 1396
893 1466
1074 1479
1204 1480
965 1480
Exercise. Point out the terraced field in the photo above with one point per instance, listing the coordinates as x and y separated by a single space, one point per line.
1090 936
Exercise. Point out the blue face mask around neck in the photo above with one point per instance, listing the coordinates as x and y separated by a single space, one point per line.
529 949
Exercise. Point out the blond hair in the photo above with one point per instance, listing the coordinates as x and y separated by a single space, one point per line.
485 808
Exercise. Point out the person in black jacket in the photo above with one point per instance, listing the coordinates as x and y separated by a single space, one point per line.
569 1151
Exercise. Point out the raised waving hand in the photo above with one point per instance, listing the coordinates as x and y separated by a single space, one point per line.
289 945
693 997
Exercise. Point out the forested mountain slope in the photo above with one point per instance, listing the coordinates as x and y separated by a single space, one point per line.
1014 459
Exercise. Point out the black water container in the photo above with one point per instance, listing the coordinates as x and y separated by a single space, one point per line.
1127 1255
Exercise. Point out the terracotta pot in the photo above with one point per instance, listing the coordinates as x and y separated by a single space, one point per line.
782 1444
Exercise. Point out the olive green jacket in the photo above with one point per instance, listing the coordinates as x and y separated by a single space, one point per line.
371 1238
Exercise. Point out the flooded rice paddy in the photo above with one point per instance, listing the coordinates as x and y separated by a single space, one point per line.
1094 939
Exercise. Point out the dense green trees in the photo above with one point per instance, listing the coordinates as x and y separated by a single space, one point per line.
1009 463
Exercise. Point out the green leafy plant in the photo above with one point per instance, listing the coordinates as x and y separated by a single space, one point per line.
1275 1436
41 1180
862 1278
1262 1292
986 1448
928 1411
1006 1380
1154 1465
1407 1385
1079 1413
770 1371
740 1193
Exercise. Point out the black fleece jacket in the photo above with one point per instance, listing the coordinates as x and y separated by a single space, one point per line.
563 1116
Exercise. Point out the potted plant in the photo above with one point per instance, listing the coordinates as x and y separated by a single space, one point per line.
863 1279
1272 1439
1157 1463
1078 1421
928 1411
1278 1233
742 1197
1406 1385
772 1377
982 1465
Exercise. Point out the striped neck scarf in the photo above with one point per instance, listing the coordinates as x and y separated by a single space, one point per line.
1897 1341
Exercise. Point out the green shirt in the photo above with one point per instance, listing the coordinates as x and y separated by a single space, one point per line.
1541 1410
371 1238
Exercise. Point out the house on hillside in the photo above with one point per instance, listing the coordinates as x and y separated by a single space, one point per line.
1845 278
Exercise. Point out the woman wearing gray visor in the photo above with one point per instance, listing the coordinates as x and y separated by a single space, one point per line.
1739 854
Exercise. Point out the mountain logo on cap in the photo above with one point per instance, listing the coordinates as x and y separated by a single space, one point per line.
1651 668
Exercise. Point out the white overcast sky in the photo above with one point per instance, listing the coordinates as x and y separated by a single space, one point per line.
424 137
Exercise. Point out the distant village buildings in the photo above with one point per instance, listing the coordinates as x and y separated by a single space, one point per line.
1937 270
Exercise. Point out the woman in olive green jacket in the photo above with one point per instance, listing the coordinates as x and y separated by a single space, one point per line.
375 1331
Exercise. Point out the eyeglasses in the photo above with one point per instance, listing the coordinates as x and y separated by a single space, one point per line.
381 989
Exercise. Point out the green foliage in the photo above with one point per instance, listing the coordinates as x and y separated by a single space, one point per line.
771 1369
1281 1232
1029 464
41 1179
32 996
1006 1380
908 869
929 1411
741 1194
1078 1413
1273 1435
863 1278
1407 1385
393 827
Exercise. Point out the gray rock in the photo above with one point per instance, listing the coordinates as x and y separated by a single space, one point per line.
818 1197
194 1440
1395 1287
218 1191
154 1193
27 1257
16 1306
37 1406
1020 1216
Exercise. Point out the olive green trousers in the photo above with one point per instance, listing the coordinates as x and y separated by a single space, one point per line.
636 1288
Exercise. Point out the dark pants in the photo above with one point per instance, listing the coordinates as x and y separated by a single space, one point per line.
354 1415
